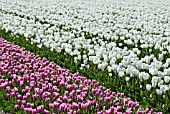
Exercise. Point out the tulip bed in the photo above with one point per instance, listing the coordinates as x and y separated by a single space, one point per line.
118 44
35 85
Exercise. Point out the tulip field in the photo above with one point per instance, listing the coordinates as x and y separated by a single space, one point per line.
85 56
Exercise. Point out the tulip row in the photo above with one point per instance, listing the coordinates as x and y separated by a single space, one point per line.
37 85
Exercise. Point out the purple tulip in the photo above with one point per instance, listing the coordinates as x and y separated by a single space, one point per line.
8 95
40 108
34 111
16 106
107 99
51 105
46 111
139 112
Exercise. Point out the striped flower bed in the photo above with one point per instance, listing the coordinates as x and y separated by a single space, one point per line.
123 45
35 85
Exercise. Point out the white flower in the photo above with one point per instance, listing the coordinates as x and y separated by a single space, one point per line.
165 65
75 59
110 74
140 76
51 49
83 65
148 87
153 71
141 86
167 33
79 57
160 83
164 88
96 61
161 57
146 76
121 74
101 66
26 35
127 79
109 68
158 92
168 71
168 48
84 57
167 79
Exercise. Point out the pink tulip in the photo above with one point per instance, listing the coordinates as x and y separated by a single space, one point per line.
16 106
51 105
34 111
46 112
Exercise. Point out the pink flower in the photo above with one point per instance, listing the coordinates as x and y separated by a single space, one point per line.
78 111
125 101
117 104
112 108
55 89
40 108
107 99
119 108
94 91
22 106
69 87
108 111
32 105
7 95
62 83
69 100
130 103
56 104
99 112
34 111
51 105
28 95
139 112
128 111
19 101
24 97
56 95
37 90
16 106
100 99
46 112
137 106
121 95
23 102
28 105
47 100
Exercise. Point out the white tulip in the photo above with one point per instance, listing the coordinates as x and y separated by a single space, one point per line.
110 74
109 68
148 87
167 79
153 71
146 76
127 79
164 88
121 74
158 92
160 83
